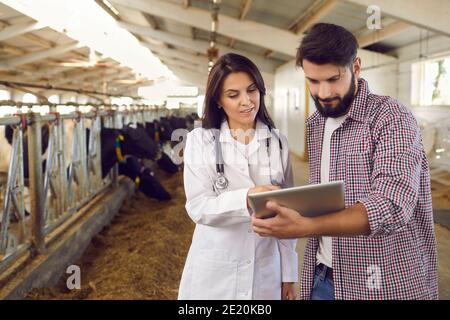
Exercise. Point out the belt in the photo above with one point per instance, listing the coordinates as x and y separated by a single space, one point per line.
326 271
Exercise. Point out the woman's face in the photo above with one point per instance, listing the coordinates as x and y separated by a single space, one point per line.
240 99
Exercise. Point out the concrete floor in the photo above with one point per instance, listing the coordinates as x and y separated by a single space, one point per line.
301 176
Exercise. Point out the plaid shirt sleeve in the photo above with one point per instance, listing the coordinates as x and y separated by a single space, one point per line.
395 177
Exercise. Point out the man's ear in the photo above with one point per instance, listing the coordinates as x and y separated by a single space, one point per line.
357 67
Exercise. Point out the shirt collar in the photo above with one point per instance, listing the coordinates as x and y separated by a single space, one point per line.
358 107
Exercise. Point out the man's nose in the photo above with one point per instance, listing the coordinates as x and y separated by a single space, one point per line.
324 91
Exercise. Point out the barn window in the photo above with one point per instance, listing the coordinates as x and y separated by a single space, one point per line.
431 82
4 95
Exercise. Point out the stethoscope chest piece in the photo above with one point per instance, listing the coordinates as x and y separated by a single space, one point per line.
221 182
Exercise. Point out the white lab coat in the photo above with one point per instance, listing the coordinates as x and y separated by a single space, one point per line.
227 260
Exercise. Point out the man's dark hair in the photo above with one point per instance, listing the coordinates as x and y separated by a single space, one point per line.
328 43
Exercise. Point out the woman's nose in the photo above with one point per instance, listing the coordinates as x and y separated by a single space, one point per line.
245 99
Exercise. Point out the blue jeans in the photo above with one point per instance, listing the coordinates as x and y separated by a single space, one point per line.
323 285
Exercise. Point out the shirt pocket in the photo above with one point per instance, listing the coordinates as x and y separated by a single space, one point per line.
213 279
358 171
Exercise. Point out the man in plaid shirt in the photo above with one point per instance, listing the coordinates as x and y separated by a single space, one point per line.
382 246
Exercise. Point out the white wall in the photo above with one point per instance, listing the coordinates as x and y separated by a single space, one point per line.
290 102
289 105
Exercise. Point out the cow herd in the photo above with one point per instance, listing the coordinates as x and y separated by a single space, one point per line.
136 148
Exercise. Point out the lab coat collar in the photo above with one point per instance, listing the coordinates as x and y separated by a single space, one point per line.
262 131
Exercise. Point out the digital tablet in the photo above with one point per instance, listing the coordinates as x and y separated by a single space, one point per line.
310 201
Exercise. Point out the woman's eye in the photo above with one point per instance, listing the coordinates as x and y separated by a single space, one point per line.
233 96
251 89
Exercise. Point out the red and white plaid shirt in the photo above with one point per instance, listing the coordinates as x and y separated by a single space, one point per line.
378 152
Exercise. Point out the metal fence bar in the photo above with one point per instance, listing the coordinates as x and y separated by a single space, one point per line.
36 185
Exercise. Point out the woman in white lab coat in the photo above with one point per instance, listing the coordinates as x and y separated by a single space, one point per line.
227 260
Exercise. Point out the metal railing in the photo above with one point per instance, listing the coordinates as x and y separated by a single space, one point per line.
66 183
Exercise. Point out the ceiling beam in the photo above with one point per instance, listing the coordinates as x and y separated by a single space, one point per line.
391 30
202 69
194 62
247 31
151 20
186 4
172 53
311 8
200 46
78 75
11 63
184 64
12 49
314 16
108 76
431 14
193 78
19 29
38 40
245 8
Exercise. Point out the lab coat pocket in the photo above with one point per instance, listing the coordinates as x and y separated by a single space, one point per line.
268 271
213 279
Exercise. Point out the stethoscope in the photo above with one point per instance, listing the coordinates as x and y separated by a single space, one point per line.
221 182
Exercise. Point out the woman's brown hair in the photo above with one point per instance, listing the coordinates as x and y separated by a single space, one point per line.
213 116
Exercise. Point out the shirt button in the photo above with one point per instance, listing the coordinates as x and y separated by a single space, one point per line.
249 261
249 230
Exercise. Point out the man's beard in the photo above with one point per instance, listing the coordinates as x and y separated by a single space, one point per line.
343 105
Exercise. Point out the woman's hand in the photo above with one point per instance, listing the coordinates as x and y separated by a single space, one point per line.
288 291
262 188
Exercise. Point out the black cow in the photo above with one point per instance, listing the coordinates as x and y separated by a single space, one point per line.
165 130
178 122
136 142
149 184
45 133
162 159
